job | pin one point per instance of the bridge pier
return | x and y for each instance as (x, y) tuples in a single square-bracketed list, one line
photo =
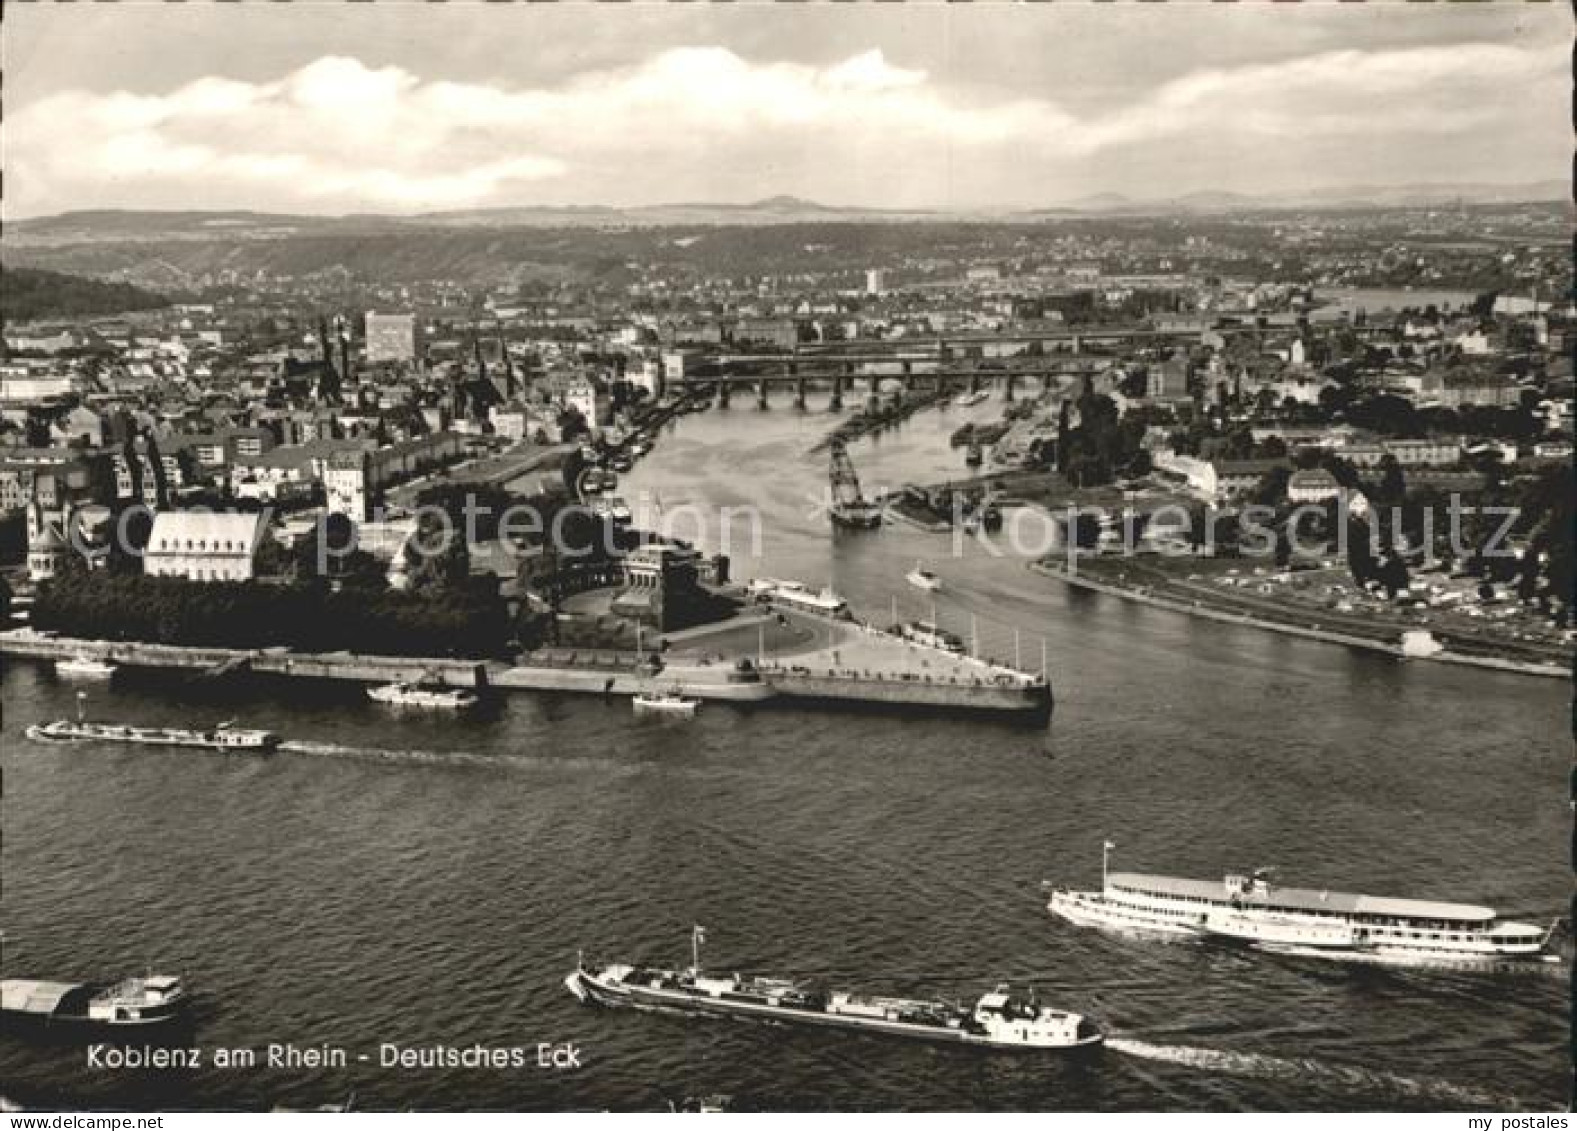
[(1007, 390), (722, 394), (799, 392), (761, 393), (974, 382)]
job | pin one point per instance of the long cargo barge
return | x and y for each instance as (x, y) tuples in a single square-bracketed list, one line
[(134, 1003), (1000, 1019), (224, 737)]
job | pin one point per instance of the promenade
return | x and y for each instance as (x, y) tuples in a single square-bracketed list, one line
[(850, 663)]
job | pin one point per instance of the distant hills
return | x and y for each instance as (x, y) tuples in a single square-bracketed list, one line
[(175, 252), (1345, 196), (117, 225), (95, 226)]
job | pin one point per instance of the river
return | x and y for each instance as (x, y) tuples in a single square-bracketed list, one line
[(417, 881)]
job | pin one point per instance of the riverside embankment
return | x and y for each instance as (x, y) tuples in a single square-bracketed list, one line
[(589, 672), (1374, 643)]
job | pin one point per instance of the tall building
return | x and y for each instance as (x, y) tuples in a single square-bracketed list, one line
[(391, 337), (143, 474), (346, 487), (875, 281)]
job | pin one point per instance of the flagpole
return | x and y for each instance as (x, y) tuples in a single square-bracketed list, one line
[(1106, 852)]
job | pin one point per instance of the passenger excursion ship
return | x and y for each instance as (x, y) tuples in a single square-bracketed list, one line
[(999, 1019), (1252, 911)]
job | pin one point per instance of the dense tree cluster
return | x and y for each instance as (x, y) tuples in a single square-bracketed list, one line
[(311, 617), (27, 293), (1103, 445)]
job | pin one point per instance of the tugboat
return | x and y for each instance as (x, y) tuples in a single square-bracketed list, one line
[(226, 736), (430, 695), (157, 999), (974, 457), (999, 1019)]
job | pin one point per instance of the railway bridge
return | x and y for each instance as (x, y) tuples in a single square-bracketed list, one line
[(967, 362)]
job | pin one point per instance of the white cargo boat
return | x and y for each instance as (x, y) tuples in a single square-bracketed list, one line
[(429, 696), (666, 703), (85, 667), (794, 595)]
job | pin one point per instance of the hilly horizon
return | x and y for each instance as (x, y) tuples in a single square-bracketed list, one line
[(102, 223)]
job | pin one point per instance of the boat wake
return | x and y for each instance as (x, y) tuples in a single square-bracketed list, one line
[(1349, 1076), (403, 757)]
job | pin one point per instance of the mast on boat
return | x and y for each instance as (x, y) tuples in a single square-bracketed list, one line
[(697, 937)]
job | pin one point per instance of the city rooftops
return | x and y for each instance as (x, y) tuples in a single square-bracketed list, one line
[(289, 457), (1247, 466), (1303, 899), (229, 532)]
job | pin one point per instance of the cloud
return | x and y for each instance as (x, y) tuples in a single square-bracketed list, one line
[(338, 134)]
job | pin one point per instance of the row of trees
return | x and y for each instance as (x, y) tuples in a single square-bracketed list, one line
[(253, 614)]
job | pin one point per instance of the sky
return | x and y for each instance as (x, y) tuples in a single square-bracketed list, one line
[(324, 107)]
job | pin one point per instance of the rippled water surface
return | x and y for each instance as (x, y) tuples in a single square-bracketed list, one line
[(420, 881)]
